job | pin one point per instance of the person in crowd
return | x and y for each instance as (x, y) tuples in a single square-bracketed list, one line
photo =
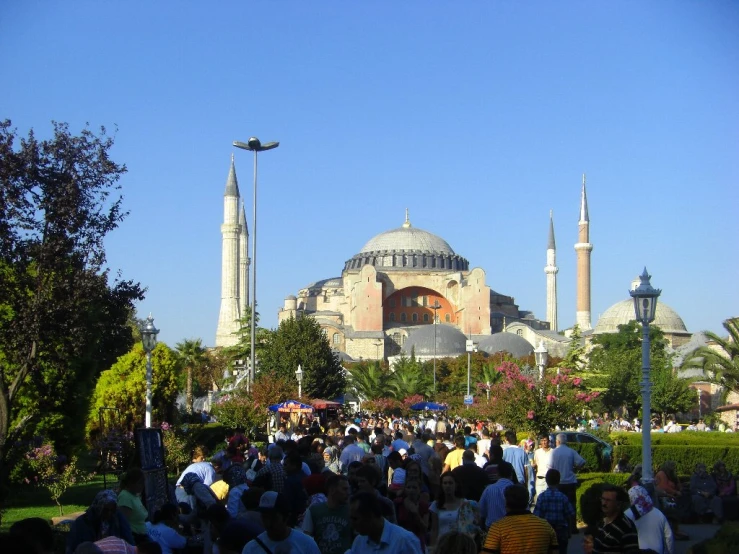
[(412, 511), (726, 487), (351, 452), (615, 533), (455, 542), (36, 532), (130, 505), (331, 459), (492, 501), (351, 475), (454, 458), (472, 477), (423, 451), (250, 500), (374, 532), (542, 463), (294, 491), (198, 466), (520, 530), (102, 519), (278, 536), (452, 512), (235, 478), (516, 456), (413, 471), (654, 531), (282, 433), (164, 529), (367, 481), (493, 466), (115, 545), (440, 447), (272, 475), (565, 460), (328, 522), (553, 506), (704, 493), (672, 502)]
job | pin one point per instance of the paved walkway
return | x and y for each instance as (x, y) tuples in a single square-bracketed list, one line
[(697, 533)]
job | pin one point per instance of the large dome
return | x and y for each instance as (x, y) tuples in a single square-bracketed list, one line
[(517, 346), (621, 313), (448, 339), (407, 248)]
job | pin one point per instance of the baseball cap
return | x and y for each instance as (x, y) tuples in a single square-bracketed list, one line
[(402, 452), (272, 500)]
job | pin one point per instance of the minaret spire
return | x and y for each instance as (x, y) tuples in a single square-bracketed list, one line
[(583, 248), (407, 223), (229, 314), (244, 261), (551, 271)]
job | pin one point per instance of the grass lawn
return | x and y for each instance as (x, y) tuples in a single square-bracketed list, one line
[(28, 501)]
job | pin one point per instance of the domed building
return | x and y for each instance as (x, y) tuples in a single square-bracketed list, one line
[(398, 282), (667, 319)]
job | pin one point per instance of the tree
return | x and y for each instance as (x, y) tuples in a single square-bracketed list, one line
[(301, 341), (670, 393), (576, 356), (61, 321), (368, 381), (720, 363), (191, 355), (123, 387)]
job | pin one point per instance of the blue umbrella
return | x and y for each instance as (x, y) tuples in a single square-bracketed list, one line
[(291, 406), (429, 406)]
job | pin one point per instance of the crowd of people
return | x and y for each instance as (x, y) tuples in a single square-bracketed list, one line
[(412, 486)]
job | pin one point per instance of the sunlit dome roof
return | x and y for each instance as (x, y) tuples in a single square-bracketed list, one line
[(505, 342), (621, 313), (407, 239), (449, 341)]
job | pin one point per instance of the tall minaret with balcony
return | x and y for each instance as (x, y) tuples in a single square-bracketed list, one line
[(551, 270), (583, 249), (229, 315), (244, 262)]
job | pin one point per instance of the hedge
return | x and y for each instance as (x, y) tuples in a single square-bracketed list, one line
[(685, 457), (587, 480), (686, 438)]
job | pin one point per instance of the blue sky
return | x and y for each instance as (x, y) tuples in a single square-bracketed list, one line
[(479, 117)]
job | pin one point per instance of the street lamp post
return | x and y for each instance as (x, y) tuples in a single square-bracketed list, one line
[(700, 396), (255, 145), (299, 377), (487, 384), (149, 339), (645, 307), (470, 347), (541, 355), (435, 307)]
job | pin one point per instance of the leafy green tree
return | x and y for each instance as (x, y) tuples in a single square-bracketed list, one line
[(301, 341), (241, 351), (191, 355), (616, 366), (408, 379), (670, 393), (368, 381), (123, 387), (61, 319), (719, 361), (576, 357)]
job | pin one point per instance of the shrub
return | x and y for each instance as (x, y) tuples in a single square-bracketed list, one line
[(685, 458)]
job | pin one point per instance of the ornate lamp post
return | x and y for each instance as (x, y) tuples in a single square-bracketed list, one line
[(299, 377), (149, 339), (435, 307), (470, 347), (645, 307), (255, 145), (700, 397), (541, 355)]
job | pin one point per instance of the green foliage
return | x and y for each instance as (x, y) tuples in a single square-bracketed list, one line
[(237, 409), (409, 377), (123, 386), (616, 364), (685, 438), (670, 393), (685, 458), (720, 363), (576, 356), (61, 320), (368, 381), (191, 356), (301, 341), (177, 448), (592, 453)]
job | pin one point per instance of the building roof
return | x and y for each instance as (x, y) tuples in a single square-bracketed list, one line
[(505, 342), (448, 339), (622, 312), (407, 238)]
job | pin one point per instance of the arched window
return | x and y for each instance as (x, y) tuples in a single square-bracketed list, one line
[(403, 317), (414, 318), (425, 318), (337, 338), (447, 318), (519, 332), (392, 316)]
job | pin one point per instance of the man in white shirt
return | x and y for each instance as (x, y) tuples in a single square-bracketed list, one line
[(542, 463), (352, 452), (566, 461)]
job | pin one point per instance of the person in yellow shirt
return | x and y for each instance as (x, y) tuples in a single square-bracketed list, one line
[(454, 458)]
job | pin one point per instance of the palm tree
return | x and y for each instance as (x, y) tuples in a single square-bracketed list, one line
[(191, 354), (720, 365), (368, 382)]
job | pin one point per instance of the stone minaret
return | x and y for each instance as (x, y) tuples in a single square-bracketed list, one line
[(244, 263), (583, 249), (228, 318), (551, 271)]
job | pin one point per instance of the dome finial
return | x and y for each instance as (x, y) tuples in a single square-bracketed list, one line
[(407, 220)]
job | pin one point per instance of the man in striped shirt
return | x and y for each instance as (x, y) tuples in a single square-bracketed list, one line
[(616, 533), (520, 531)]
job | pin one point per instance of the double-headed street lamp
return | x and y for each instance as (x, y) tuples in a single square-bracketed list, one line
[(299, 377), (541, 355), (645, 307), (435, 307), (254, 145), (149, 339)]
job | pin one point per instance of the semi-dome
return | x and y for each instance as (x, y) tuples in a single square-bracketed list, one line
[(505, 342), (408, 248), (621, 313), (449, 341)]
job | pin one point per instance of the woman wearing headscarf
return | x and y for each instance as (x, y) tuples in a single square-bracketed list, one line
[(652, 527), (331, 460), (235, 478), (102, 519), (726, 490)]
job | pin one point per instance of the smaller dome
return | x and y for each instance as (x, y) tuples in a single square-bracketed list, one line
[(449, 341), (291, 297), (622, 312), (505, 342)]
